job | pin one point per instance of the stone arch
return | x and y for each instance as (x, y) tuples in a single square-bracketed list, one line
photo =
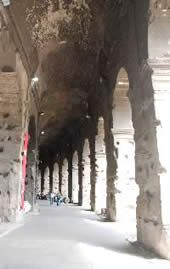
[(101, 169), (64, 183), (30, 183), (75, 178), (86, 180), (56, 178), (124, 150)]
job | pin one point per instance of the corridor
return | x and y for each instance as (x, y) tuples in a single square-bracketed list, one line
[(69, 237)]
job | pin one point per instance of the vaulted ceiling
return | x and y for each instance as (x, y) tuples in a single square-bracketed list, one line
[(63, 41)]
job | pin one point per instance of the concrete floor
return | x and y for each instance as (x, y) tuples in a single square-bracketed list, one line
[(68, 237)]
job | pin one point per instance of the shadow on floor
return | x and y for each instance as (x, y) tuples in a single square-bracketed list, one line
[(68, 223)]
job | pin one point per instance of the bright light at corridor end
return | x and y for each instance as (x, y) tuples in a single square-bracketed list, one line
[(42, 132), (6, 3), (35, 79)]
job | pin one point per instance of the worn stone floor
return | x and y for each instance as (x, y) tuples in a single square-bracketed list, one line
[(69, 237)]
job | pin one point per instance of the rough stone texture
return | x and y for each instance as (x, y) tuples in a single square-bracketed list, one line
[(86, 175), (101, 168), (38, 185), (64, 184), (75, 179), (56, 178), (30, 183), (92, 171), (10, 106), (80, 52), (46, 189), (161, 102)]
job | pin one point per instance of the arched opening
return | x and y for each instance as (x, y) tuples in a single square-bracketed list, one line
[(158, 38), (7, 69), (46, 189), (30, 182), (75, 178), (64, 183), (56, 178), (86, 181), (124, 149), (101, 169)]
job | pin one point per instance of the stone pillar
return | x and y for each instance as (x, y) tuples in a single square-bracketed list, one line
[(10, 146), (93, 171), (30, 181), (42, 170), (38, 185), (86, 175), (80, 175), (46, 181), (64, 184), (31, 164), (111, 160), (75, 178), (150, 110), (124, 148), (161, 84), (51, 176), (56, 178), (101, 169)]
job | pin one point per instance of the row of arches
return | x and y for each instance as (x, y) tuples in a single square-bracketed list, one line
[(136, 152), (91, 189)]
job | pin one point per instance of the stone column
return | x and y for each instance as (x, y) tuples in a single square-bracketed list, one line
[(151, 126), (80, 175), (161, 84), (56, 178), (64, 184), (42, 170), (75, 178), (38, 185), (93, 171), (86, 175), (11, 138), (150, 118), (46, 181), (30, 181), (101, 169), (111, 160)]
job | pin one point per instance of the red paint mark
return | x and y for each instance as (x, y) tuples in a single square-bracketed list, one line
[(24, 162)]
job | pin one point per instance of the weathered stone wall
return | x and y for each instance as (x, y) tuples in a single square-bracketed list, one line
[(10, 145)]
